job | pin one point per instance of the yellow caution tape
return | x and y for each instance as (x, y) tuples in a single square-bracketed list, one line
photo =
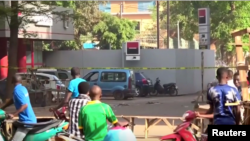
[(132, 68)]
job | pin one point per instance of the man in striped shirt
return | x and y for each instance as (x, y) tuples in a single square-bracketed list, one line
[(75, 105)]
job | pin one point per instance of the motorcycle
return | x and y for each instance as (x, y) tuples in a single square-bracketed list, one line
[(41, 131), (61, 114), (170, 88), (184, 132)]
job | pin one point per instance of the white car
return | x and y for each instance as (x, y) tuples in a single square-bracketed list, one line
[(44, 81)]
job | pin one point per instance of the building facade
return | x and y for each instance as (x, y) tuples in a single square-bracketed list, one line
[(30, 48), (139, 11)]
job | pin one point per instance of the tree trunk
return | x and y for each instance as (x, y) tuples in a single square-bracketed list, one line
[(12, 51)]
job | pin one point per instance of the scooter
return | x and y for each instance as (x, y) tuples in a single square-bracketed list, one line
[(41, 131), (184, 132), (61, 114), (169, 88)]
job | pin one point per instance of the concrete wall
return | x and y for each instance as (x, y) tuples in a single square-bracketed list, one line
[(188, 81), (55, 32)]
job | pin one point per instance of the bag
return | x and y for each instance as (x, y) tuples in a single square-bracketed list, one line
[(120, 134)]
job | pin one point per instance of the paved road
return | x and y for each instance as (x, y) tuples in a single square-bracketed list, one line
[(148, 106), (153, 106)]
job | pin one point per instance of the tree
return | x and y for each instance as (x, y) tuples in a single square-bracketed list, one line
[(113, 31), (226, 16), (17, 25), (86, 16)]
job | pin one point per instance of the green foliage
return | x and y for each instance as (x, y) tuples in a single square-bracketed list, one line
[(113, 31), (18, 25), (245, 39), (226, 16), (68, 4), (86, 16)]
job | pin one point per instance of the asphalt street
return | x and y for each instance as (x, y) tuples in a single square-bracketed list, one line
[(173, 106), (153, 106)]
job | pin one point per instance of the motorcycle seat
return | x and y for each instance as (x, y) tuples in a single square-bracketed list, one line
[(38, 127), (168, 84)]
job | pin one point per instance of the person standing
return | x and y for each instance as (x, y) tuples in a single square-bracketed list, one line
[(230, 81), (23, 108), (72, 88), (237, 84), (236, 80), (217, 97), (75, 105)]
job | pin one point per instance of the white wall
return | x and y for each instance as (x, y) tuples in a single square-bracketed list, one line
[(188, 81)]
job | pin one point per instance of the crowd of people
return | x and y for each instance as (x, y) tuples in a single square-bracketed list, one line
[(89, 116), (227, 90)]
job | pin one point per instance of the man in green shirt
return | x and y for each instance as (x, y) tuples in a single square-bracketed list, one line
[(93, 117)]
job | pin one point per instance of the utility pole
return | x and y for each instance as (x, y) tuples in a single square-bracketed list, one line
[(158, 26), (168, 23), (121, 10), (178, 34)]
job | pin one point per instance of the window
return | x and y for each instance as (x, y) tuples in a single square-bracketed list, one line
[(92, 76), (42, 77), (113, 77), (62, 75), (137, 27)]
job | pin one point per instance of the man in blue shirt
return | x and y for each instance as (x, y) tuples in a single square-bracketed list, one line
[(217, 97), (23, 106), (72, 88)]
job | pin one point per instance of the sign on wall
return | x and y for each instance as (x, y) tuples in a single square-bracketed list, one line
[(204, 28), (133, 48)]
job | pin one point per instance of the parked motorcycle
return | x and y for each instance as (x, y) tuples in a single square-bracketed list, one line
[(41, 131), (184, 132), (170, 88)]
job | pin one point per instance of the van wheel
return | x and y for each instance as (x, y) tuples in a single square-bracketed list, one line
[(119, 95)]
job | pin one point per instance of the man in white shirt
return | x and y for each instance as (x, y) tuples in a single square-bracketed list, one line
[(230, 81)]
